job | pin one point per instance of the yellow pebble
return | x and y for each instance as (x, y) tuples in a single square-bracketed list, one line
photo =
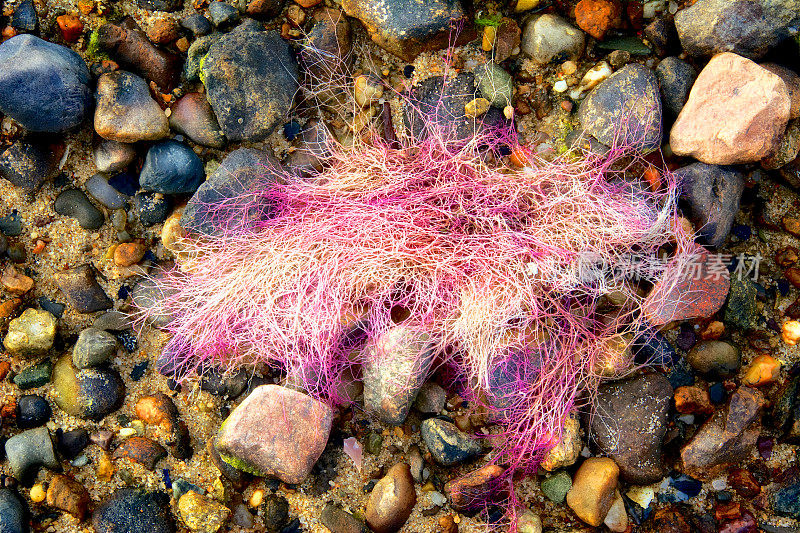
[(476, 107), (105, 468), (38, 493), (489, 38), (525, 5), (256, 498), (791, 332), (764, 369)]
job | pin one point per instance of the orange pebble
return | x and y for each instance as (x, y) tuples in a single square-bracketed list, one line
[(520, 157), (71, 27), (653, 177)]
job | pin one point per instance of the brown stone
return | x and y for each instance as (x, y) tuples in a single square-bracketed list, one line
[(694, 290), (793, 275), (792, 81), (391, 500), (596, 17), (693, 399), (744, 483), (81, 289), (160, 410), (5, 367), (8, 307), (792, 225), (142, 450), (593, 489), (276, 432), (786, 257), (670, 520), (339, 521), (507, 38), (307, 3), (131, 48), (726, 438), (264, 8), (163, 30), (70, 26), (68, 495), (129, 253), (763, 370), (15, 282), (472, 489), (737, 112)]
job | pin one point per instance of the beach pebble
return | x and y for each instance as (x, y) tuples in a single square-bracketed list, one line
[(129, 253), (250, 79), (330, 45), (148, 295), (27, 165), (275, 431), (113, 156), (192, 116), (401, 362), (430, 398), (391, 501), (638, 408), (159, 409), (81, 289), (715, 358), (13, 513), (75, 204), (68, 495), (628, 100), (34, 376), (222, 15), (171, 167), (675, 79), (737, 112), (31, 334), (555, 487), (548, 37), (566, 451), (200, 513), (406, 28), (103, 192), (43, 86), (693, 399), (275, 510), (142, 450), (125, 110), (466, 493), (713, 194), (593, 489), (746, 27), (617, 518), (151, 208), (596, 17), (786, 501), (130, 509), (197, 24), (727, 438), (93, 347), (195, 54), (339, 521), (741, 309), (32, 411), (15, 282), (90, 394), (71, 443), (495, 84), (24, 17), (447, 443), (529, 522), (29, 450)]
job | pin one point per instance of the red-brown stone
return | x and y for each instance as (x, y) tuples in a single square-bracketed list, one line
[(473, 488), (596, 17)]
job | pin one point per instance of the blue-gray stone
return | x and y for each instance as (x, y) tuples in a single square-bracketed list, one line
[(250, 79), (13, 515), (29, 450), (713, 193), (32, 411), (448, 444), (27, 165), (197, 24), (74, 203), (653, 348), (134, 511), (675, 78), (24, 17), (625, 108), (787, 501), (151, 208), (171, 167), (222, 14), (43, 86), (11, 224), (104, 193), (228, 190), (94, 346)]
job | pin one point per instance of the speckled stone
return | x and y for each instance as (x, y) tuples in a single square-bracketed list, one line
[(202, 514), (13, 514), (470, 490), (277, 432), (142, 450), (91, 393), (31, 334), (134, 510), (391, 501), (555, 487), (447, 443), (27, 165), (125, 111), (28, 450), (82, 290), (94, 346)]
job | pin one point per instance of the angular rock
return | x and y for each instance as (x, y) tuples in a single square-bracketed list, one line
[(626, 107), (148, 295), (549, 38), (741, 309), (90, 394), (399, 361), (736, 113), (430, 398), (222, 15), (250, 79), (329, 44), (716, 358), (142, 450), (277, 432), (713, 194), (675, 78), (129, 46), (171, 167), (81, 289), (43, 86), (391, 501), (75, 204), (786, 501), (697, 289), (728, 437), (596, 17), (407, 28), (264, 8), (24, 17), (159, 409), (593, 488), (200, 513), (68, 495), (447, 443), (241, 172), (130, 510), (29, 450), (125, 111), (192, 116), (31, 334), (568, 449), (746, 27), (470, 491), (792, 81), (628, 423), (27, 165)]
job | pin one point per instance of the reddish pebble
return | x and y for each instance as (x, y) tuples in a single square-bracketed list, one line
[(596, 17), (765, 445), (566, 105), (727, 511), (128, 253), (307, 3), (743, 482), (71, 27), (793, 275), (745, 524), (5, 366)]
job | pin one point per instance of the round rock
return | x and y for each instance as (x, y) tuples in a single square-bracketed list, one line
[(171, 167), (718, 358), (75, 204), (391, 501), (32, 411), (192, 116), (675, 78), (94, 346), (90, 393), (447, 443), (551, 38), (31, 334), (251, 79), (43, 86), (13, 515), (29, 450), (129, 510)]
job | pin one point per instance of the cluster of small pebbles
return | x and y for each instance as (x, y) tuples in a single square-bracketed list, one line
[(122, 123)]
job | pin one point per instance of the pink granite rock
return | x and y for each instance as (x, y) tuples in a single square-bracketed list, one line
[(736, 113), (275, 432)]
